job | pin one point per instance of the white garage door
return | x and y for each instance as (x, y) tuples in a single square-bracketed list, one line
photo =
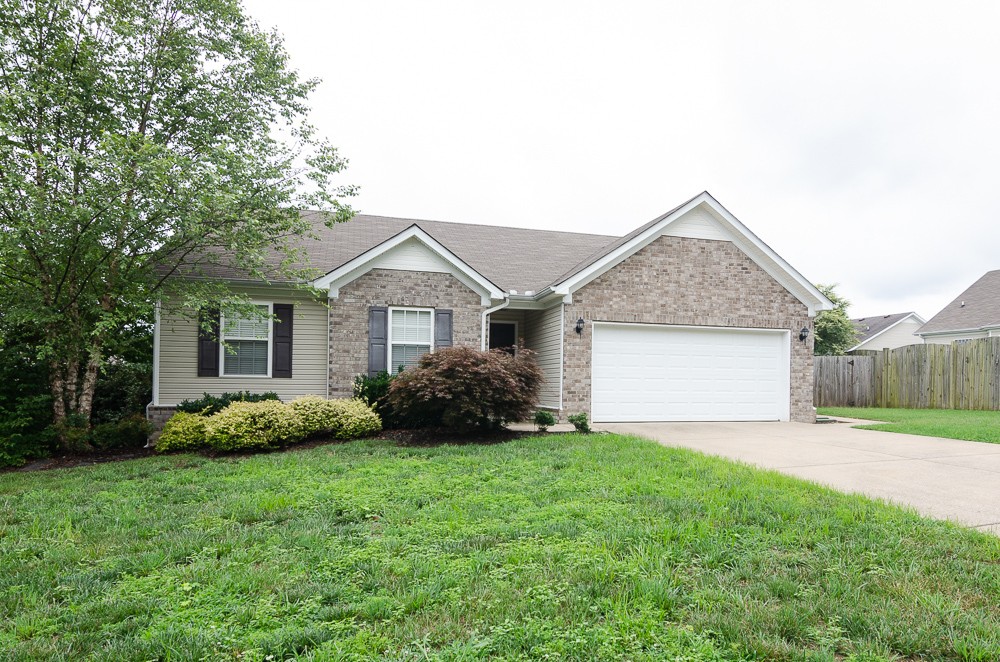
[(648, 372)]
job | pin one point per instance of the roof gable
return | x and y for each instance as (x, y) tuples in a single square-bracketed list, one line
[(977, 308), (414, 250), (870, 328), (700, 217)]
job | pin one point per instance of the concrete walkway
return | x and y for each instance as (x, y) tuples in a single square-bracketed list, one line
[(943, 478)]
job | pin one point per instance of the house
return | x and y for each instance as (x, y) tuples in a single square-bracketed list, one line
[(887, 331), (690, 317), (975, 313)]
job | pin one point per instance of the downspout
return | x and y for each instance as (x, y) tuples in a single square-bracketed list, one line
[(487, 313)]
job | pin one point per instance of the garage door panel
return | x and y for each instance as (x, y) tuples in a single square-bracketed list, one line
[(670, 373)]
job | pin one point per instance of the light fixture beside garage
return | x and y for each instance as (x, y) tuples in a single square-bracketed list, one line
[(804, 333), (579, 326)]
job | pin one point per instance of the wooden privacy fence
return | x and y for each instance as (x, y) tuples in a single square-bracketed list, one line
[(956, 376)]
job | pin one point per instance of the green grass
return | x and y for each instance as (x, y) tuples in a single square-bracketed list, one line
[(949, 423), (559, 547)]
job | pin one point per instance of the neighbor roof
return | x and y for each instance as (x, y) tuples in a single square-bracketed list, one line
[(976, 308), (869, 327)]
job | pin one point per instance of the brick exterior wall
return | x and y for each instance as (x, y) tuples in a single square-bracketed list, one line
[(158, 416), (698, 282), (385, 287)]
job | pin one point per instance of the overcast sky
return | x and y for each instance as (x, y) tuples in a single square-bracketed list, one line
[(859, 140)]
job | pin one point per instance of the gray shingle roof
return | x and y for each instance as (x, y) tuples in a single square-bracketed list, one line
[(871, 326), (976, 307), (512, 258)]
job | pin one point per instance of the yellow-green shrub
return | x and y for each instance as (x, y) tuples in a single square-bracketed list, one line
[(183, 432), (254, 426), (342, 419)]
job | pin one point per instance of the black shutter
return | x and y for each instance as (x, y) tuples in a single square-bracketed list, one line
[(442, 328), (378, 338), (208, 343), (281, 335)]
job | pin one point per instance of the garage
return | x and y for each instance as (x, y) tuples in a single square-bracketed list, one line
[(652, 372)]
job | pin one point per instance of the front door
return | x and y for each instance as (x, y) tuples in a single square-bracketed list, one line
[(503, 335)]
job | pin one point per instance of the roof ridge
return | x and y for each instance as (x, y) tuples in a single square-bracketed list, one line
[(478, 225)]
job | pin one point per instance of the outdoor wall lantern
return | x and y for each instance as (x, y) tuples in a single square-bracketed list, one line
[(804, 333), (579, 326)]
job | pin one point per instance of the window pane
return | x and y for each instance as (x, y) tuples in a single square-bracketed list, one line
[(407, 355), (411, 326), (246, 357), (238, 327)]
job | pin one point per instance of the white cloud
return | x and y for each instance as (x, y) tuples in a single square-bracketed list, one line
[(858, 139)]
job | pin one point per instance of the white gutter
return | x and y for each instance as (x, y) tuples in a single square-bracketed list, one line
[(487, 313)]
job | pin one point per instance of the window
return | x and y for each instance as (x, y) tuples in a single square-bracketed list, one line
[(247, 349), (410, 334)]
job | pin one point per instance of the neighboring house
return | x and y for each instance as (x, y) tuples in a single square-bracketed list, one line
[(690, 317), (975, 313), (888, 331)]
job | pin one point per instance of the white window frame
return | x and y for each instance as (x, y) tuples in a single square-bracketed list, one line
[(270, 342), (390, 342), (517, 330)]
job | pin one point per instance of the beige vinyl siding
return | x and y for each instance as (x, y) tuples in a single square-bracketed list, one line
[(952, 337), (178, 356), (543, 334), (899, 335)]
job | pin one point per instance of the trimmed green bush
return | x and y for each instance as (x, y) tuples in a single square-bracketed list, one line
[(579, 421), (209, 404), (183, 432), (543, 419), (374, 392), (254, 426), (130, 432), (341, 419)]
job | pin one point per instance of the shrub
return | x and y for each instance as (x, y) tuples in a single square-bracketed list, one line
[(374, 392), (464, 388), (130, 432), (123, 389), (579, 421), (254, 426), (342, 419), (183, 432), (543, 419), (25, 433), (209, 404)]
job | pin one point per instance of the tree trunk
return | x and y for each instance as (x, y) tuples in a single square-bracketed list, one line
[(86, 403), (57, 385)]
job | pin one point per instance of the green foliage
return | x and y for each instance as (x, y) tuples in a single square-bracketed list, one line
[(129, 432), (464, 388), (183, 432), (123, 389), (374, 391), (244, 426), (565, 547), (209, 404), (835, 332), (142, 141), (544, 419), (341, 419), (579, 422)]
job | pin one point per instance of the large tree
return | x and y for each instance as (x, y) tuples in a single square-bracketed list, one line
[(835, 332), (139, 140)]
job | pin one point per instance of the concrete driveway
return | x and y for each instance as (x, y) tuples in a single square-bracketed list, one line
[(943, 478)]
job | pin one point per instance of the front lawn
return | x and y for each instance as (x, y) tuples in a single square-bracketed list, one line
[(950, 423), (558, 547)]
